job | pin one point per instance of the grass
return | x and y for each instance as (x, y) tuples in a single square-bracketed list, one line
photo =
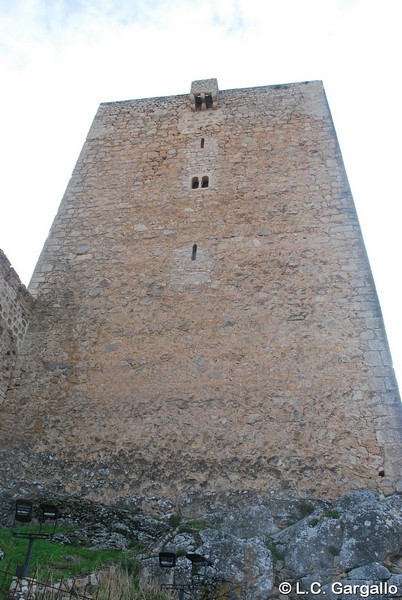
[(120, 584), (52, 562), (332, 514), (55, 561), (275, 552), (114, 584), (306, 508), (192, 526)]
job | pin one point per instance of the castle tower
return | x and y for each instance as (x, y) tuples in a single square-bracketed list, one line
[(205, 315)]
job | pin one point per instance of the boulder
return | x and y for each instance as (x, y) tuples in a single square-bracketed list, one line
[(245, 564), (358, 530)]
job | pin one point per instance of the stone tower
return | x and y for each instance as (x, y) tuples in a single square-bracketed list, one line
[(205, 315)]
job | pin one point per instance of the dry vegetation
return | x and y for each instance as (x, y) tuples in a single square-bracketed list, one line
[(120, 584)]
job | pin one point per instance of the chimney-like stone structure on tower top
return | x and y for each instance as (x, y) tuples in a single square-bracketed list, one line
[(205, 318), (204, 94)]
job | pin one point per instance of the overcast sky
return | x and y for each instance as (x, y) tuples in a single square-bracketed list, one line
[(60, 58)]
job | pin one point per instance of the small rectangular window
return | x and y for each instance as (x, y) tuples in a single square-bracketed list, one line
[(208, 100)]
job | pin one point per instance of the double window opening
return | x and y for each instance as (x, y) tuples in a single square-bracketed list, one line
[(203, 101), (198, 182)]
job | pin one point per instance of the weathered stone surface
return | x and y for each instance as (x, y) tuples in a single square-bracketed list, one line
[(354, 535), (245, 564), (372, 571), (354, 541), (244, 523), (281, 509), (242, 567), (260, 363), (16, 305), (98, 537)]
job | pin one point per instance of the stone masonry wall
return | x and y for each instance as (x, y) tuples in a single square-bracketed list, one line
[(255, 360), (15, 310)]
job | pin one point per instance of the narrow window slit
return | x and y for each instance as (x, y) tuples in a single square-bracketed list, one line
[(194, 252), (202, 142)]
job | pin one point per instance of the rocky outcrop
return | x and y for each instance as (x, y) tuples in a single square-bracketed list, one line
[(279, 547)]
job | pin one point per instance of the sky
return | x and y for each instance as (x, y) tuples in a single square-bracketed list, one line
[(59, 59)]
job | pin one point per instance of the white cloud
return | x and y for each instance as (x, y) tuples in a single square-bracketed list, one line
[(60, 58)]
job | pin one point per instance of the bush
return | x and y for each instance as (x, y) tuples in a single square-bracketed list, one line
[(332, 514), (174, 520), (306, 508)]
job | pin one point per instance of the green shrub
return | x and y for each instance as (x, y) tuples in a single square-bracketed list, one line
[(275, 552), (175, 520), (332, 514), (334, 550), (306, 508)]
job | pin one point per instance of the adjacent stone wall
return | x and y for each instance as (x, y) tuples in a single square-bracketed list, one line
[(260, 363), (15, 310)]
